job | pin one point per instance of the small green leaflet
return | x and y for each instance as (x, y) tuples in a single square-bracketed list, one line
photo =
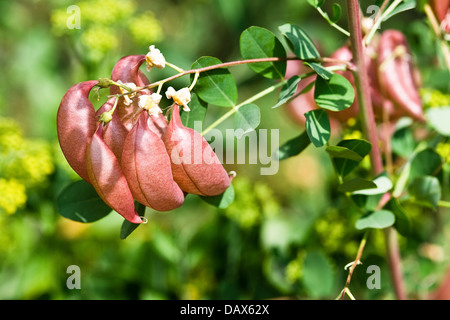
[(336, 13), (256, 43), (80, 202), (376, 220), (287, 91), (300, 42), (292, 147), (217, 86), (318, 127), (247, 119), (335, 94), (221, 201), (356, 185), (348, 154)]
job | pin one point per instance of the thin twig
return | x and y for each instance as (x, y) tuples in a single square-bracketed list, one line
[(362, 244)]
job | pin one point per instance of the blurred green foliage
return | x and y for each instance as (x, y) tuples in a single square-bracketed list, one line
[(289, 234)]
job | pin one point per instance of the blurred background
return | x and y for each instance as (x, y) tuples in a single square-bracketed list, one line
[(287, 235)]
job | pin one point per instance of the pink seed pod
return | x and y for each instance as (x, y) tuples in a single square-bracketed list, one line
[(195, 166), (440, 8), (127, 71), (76, 123), (114, 132), (147, 168), (397, 74), (108, 179)]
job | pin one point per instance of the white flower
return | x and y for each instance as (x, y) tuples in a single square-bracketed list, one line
[(128, 97), (150, 103), (155, 59), (181, 97)]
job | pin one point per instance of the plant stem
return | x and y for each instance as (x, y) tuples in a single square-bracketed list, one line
[(368, 121), (236, 108), (362, 244)]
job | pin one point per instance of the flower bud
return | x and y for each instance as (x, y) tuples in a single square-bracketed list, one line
[(76, 123), (108, 179), (147, 168), (195, 166)]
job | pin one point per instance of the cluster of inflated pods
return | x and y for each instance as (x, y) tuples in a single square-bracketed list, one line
[(394, 81), (127, 150)]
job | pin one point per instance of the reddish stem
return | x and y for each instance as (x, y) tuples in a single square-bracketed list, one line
[(368, 120)]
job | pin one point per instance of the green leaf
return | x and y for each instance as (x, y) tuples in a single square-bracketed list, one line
[(406, 5), (292, 147), (256, 43), (439, 119), (425, 163), (80, 202), (246, 119), (221, 201), (198, 111), (368, 199), (403, 143), (301, 44), (376, 220), (287, 91), (402, 223), (356, 185), (127, 226), (216, 86), (319, 69), (337, 11), (348, 154), (426, 191), (318, 127), (382, 185), (318, 275), (343, 153), (335, 94)]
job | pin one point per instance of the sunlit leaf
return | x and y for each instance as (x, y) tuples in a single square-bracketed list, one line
[(376, 220), (246, 119), (439, 119), (335, 94), (319, 69), (382, 185), (318, 127), (356, 185), (216, 86), (301, 44), (80, 202), (256, 43), (287, 91)]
